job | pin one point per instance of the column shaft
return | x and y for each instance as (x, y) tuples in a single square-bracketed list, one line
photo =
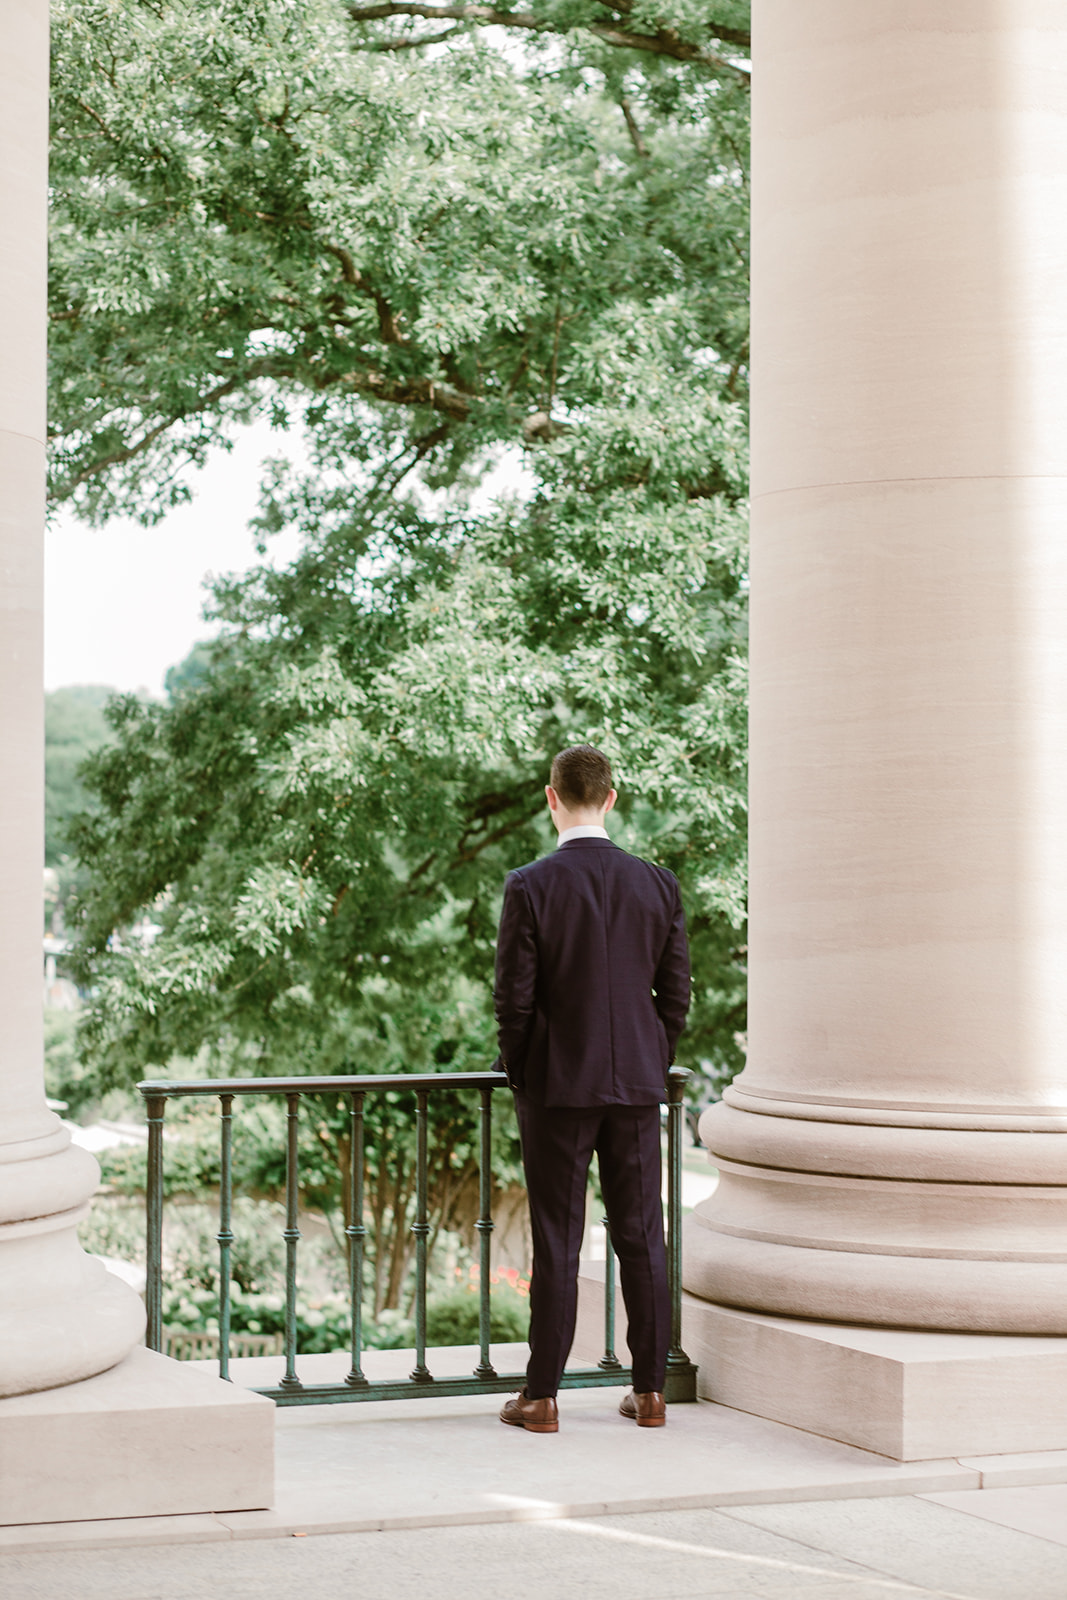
[(62, 1317), (894, 1151)]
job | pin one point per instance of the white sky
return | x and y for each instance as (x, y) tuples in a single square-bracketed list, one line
[(123, 603)]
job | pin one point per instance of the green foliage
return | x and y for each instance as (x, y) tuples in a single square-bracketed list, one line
[(74, 726), (325, 1323), (191, 1150), (433, 261), (191, 1283), (114, 1228), (257, 1255), (65, 1077), (190, 1168), (453, 1317), (257, 201), (321, 1325), (189, 675)]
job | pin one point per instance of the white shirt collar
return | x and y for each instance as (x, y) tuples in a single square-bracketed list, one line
[(585, 830)]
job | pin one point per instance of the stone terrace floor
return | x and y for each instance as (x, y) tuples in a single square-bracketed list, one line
[(437, 1499)]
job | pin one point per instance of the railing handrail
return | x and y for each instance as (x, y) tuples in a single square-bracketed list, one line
[(681, 1374), (385, 1080)]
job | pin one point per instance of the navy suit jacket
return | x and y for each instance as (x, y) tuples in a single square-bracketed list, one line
[(592, 977)]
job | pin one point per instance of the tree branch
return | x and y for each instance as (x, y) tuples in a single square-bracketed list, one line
[(738, 36), (469, 850), (554, 370), (408, 459), (388, 327), (410, 392), (98, 119), (349, 271), (118, 458), (413, 42), (664, 43), (667, 43), (634, 131), (451, 400), (404, 392)]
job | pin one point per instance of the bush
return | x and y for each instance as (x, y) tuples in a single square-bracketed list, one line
[(191, 1153), (453, 1318), (325, 1324), (257, 1255), (65, 1077), (114, 1228), (321, 1325)]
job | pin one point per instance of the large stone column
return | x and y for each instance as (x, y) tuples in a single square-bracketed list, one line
[(894, 1152), (62, 1316), (90, 1425)]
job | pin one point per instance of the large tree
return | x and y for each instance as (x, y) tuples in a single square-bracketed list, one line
[(522, 231)]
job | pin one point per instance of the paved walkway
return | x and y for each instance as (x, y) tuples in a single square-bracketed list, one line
[(437, 1499), (1008, 1544)]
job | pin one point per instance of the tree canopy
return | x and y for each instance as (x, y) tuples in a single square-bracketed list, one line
[(433, 249)]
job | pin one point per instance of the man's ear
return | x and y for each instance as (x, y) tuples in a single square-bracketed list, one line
[(612, 797), (551, 796)]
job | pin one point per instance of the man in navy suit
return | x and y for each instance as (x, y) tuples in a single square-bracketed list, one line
[(592, 990)]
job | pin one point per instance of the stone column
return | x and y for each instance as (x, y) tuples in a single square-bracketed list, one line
[(62, 1316), (894, 1152)]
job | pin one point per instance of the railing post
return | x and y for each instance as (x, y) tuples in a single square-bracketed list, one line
[(609, 1361), (225, 1233), (357, 1233), (421, 1229), (155, 1107), (484, 1226), (291, 1236), (681, 1381)]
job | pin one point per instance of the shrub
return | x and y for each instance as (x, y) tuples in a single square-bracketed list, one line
[(453, 1318), (321, 1325)]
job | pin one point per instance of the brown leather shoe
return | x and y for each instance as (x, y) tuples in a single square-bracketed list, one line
[(536, 1416), (647, 1410)]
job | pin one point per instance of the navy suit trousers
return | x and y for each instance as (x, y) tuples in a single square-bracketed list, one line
[(557, 1146)]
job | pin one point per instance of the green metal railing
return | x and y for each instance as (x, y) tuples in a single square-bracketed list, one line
[(290, 1389)]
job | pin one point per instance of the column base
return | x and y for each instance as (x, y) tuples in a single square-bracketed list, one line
[(149, 1438), (63, 1316), (913, 1396), (949, 1229)]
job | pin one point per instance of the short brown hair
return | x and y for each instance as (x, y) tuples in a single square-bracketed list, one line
[(581, 776)]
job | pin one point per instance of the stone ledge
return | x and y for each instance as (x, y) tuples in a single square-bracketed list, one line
[(149, 1438), (906, 1395), (1019, 1471)]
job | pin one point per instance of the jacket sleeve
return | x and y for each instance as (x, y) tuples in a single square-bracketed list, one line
[(516, 978), (671, 986)]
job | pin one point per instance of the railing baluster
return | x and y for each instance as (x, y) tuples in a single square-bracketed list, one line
[(225, 1233), (357, 1233), (291, 1236), (681, 1373), (484, 1226), (421, 1229), (609, 1361), (155, 1106)]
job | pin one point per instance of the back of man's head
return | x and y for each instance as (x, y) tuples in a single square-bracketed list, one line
[(581, 776)]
